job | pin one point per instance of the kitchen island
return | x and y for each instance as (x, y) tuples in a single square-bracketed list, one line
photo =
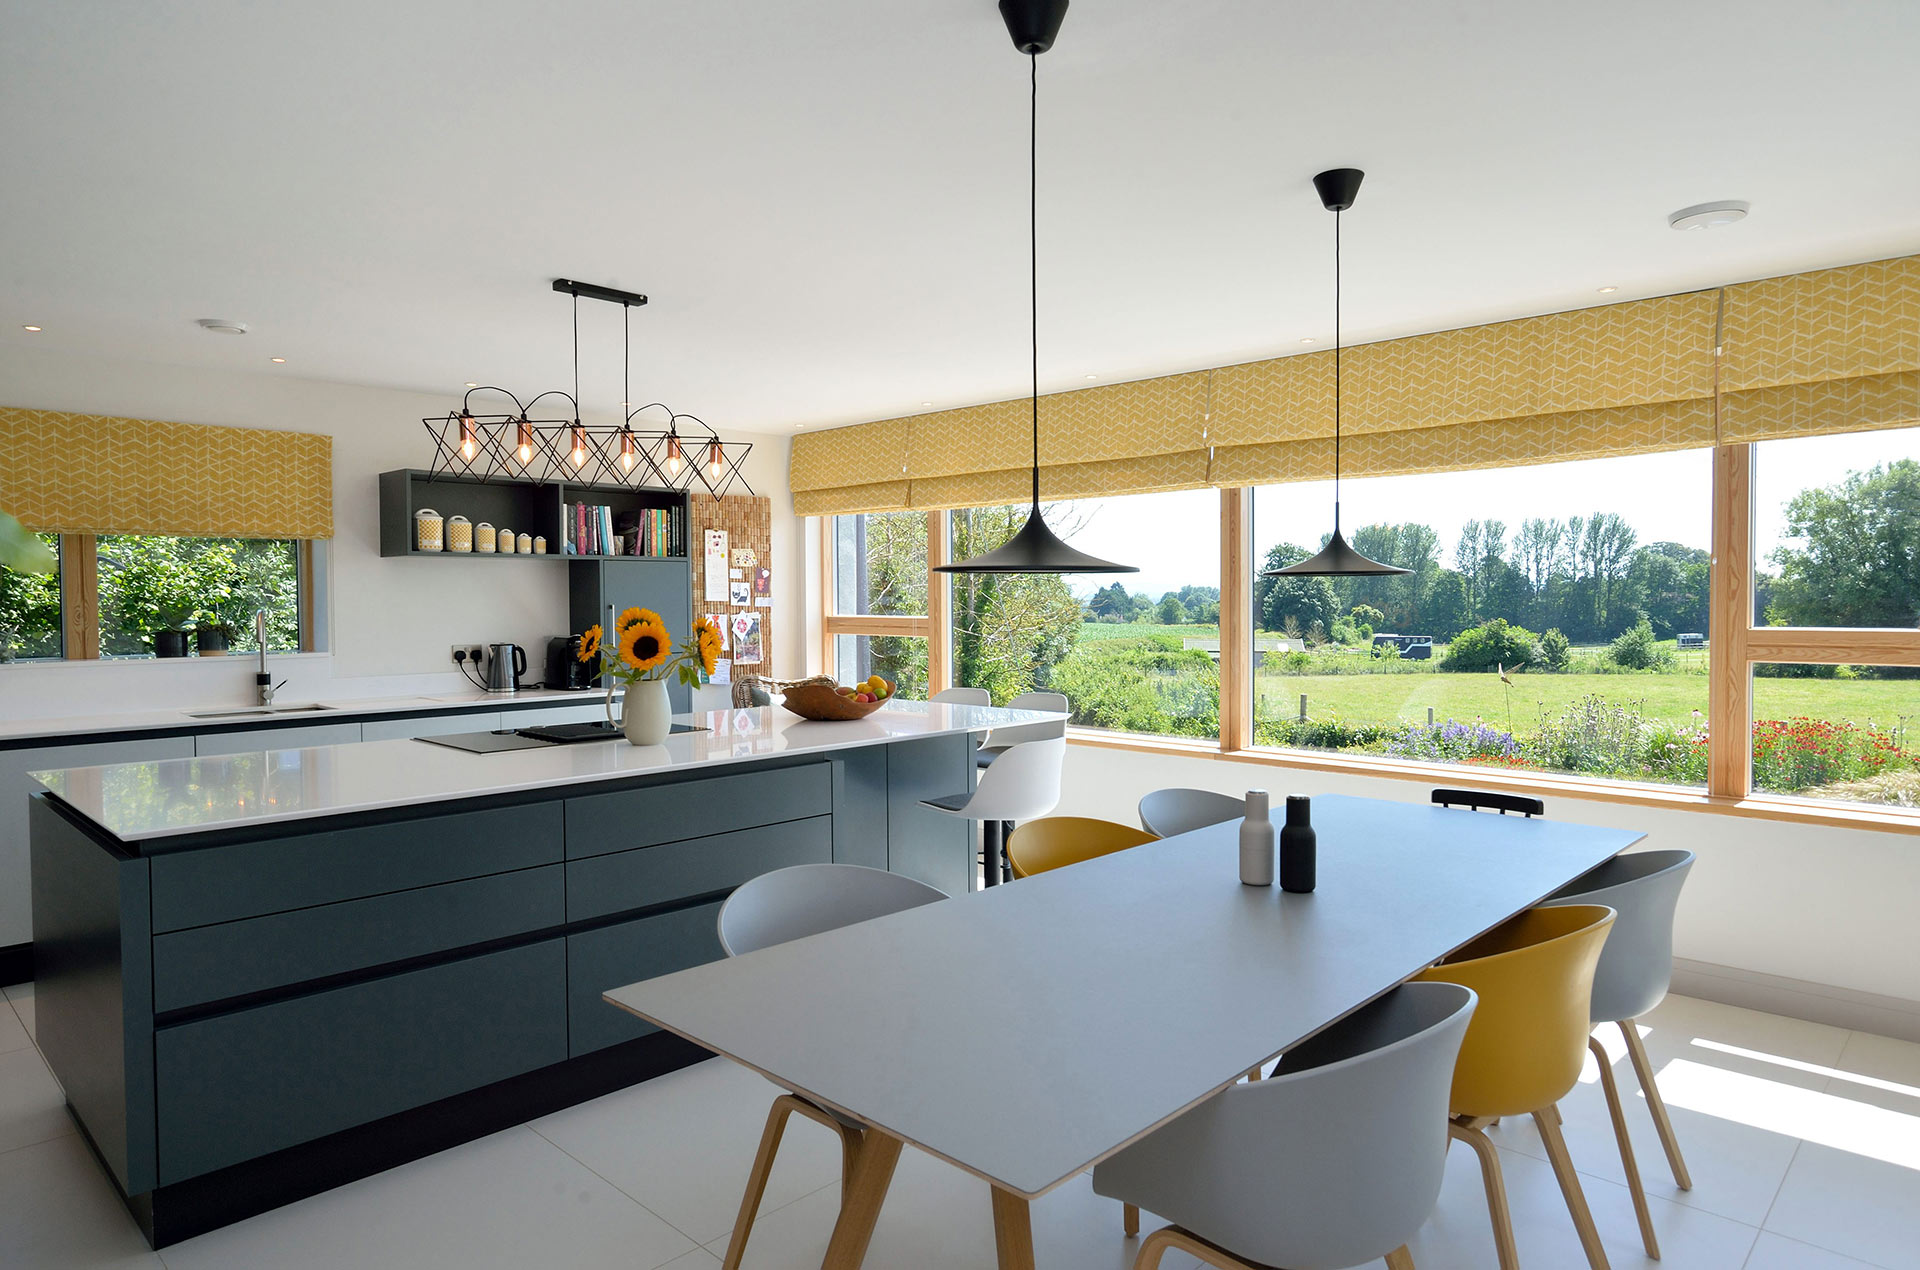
[(262, 975)]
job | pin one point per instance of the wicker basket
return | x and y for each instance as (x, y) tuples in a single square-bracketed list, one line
[(816, 700)]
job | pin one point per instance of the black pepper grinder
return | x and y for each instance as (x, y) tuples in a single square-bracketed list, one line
[(1297, 845)]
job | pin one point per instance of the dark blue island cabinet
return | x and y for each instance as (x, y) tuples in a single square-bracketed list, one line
[(246, 1016)]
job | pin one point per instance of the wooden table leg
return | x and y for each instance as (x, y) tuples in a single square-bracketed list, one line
[(860, 1203), (1012, 1230)]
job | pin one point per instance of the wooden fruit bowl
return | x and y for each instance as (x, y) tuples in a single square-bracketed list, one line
[(821, 701)]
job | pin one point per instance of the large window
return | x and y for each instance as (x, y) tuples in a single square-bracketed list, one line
[(150, 584), (30, 612), (1133, 652), (1555, 619), (118, 595), (876, 619), (1837, 530)]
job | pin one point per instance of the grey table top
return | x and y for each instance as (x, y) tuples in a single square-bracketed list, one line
[(1026, 1032)]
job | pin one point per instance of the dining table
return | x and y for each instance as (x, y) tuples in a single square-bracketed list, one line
[(1024, 1033)]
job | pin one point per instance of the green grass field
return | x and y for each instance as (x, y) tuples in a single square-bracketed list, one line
[(1362, 698)]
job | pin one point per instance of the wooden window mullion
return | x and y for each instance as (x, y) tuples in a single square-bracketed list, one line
[(79, 597), (1730, 625)]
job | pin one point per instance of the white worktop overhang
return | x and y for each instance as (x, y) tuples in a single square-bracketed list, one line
[(137, 802)]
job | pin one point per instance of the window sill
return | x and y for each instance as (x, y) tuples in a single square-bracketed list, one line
[(1778, 807)]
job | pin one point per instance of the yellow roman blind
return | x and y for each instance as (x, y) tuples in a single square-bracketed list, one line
[(97, 474), (1835, 350)]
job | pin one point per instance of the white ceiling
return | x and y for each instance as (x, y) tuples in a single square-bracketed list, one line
[(827, 200)]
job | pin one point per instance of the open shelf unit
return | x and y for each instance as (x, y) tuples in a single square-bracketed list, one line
[(530, 507)]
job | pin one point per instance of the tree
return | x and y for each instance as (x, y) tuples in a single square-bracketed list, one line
[(1604, 549), (1009, 630), (1409, 546), (1111, 603), (1491, 644), (1308, 602), (29, 609), (1479, 542), (1672, 583), (1635, 649), (1170, 611), (1447, 611), (1857, 560)]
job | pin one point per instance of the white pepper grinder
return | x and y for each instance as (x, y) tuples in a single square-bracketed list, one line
[(1256, 842)]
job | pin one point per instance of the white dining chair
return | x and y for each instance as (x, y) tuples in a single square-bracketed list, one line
[(1022, 783), (1000, 739), (1335, 1161), (792, 903), (1635, 971), (1167, 812), (963, 697)]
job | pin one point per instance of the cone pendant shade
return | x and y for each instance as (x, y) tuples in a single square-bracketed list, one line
[(1337, 187), (1033, 24)]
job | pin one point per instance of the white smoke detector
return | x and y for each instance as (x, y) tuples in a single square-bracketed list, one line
[(223, 326), (1709, 215)]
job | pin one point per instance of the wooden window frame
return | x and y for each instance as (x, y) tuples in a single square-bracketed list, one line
[(933, 627), (80, 597), (1735, 646)]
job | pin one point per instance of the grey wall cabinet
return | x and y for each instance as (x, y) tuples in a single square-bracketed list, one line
[(598, 591)]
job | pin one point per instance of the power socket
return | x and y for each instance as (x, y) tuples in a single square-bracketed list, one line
[(462, 654)]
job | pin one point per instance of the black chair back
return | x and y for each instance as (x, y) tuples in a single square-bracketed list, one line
[(1490, 800)]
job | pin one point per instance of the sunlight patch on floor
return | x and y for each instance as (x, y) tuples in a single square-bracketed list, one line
[(1860, 1128)]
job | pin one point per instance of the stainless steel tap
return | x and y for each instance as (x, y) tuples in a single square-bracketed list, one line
[(263, 682)]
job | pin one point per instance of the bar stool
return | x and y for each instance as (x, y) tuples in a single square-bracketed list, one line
[(789, 904), (999, 739), (962, 697), (1636, 968), (1022, 783), (1525, 1046), (1335, 1161), (1054, 842), (1167, 812)]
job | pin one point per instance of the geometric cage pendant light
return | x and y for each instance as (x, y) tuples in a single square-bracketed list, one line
[(1033, 24), (1337, 188)]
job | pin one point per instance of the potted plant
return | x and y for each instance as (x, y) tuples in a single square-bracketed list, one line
[(641, 656), (173, 615), (213, 634)]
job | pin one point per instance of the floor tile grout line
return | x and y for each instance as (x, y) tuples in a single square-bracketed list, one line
[(768, 1212), (635, 1199)]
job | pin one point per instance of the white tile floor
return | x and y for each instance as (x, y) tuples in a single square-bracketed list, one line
[(1804, 1142)]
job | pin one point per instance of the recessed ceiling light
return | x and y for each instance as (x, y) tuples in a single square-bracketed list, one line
[(926, 403), (279, 360), (1308, 340), (1608, 290), (1093, 376), (471, 384), (1708, 215), (29, 328), (223, 326)]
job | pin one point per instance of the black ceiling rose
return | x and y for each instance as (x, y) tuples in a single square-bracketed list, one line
[(1033, 24), (1337, 187)]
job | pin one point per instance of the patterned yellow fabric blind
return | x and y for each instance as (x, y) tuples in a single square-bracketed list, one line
[(1837, 350), (95, 474)]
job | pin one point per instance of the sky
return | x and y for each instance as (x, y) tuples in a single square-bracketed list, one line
[(1665, 497)]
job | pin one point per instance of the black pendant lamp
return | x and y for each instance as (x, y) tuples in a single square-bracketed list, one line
[(1337, 188), (1033, 25)]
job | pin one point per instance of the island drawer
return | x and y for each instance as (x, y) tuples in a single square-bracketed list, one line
[(607, 884), (614, 956), (222, 884), (211, 963), (237, 1086), (600, 823)]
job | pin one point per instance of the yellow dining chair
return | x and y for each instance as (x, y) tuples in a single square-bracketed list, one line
[(1054, 842), (1525, 1046)]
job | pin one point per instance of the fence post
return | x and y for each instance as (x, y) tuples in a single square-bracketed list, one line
[(1429, 718), (1303, 707)]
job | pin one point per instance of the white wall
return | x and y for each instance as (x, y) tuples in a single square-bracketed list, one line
[(1831, 906), (391, 621)]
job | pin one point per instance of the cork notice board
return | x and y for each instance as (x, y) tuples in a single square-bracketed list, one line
[(748, 521)]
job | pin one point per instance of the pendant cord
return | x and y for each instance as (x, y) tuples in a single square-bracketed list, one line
[(1336, 374), (1033, 231), (626, 363), (576, 357)]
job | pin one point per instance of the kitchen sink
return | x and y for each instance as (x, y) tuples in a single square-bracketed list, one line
[(243, 711)]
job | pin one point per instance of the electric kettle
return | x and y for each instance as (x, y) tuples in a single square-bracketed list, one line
[(506, 663)]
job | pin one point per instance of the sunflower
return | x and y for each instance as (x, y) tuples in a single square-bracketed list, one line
[(706, 638), (644, 645), (590, 644), (635, 616)]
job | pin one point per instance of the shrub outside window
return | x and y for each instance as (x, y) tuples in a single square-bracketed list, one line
[(151, 583), (30, 612)]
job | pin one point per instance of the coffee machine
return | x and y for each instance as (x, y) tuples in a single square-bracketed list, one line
[(564, 667)]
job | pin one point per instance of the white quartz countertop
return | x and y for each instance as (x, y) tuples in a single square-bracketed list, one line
[(169, 797), (289, 713)]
